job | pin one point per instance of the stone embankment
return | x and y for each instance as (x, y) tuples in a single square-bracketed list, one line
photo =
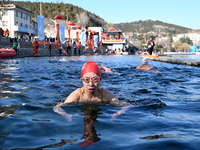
[(185, 61)]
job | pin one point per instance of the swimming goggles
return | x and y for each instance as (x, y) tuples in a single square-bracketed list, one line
[(94, 79)]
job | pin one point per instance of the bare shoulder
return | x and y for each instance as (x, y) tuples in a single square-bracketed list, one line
[(138, 67), (73, 97), (108, 96)]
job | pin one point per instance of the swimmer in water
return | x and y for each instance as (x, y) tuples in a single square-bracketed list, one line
[(90, 92), (144, 65)]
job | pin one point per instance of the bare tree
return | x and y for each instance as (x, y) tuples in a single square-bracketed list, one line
[(82, 19)]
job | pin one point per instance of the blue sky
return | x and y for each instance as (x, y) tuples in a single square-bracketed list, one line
[(185, 13)]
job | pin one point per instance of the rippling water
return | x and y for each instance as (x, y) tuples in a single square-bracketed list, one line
[(164, 111)]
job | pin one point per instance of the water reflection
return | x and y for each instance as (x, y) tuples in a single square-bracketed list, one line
[(90, 134), (161, 136), (8, 81), (7, 111)]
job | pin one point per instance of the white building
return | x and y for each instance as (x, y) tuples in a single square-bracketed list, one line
[(18, 21), (194, 37)]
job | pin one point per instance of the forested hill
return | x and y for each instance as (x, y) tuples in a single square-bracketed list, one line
[(85, 18), (73, 13), (152, 26)]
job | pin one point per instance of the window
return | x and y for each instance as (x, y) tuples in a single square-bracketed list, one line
[(21, 24), (16, 23), (26, 17), (21, 15), (5, 23), (5, 12), (26, 25), (16, 13)]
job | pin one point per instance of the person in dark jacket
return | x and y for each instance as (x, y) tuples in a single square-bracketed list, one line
[(150, 45)]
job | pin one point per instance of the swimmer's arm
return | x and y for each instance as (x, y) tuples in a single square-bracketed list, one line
[(73, 97), (125, 107), (106, 69), (114, 100)]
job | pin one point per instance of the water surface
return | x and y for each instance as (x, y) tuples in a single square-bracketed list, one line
[(164, 106)]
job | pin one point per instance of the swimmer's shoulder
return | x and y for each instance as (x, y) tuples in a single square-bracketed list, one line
[(74, 96), (108, 96)]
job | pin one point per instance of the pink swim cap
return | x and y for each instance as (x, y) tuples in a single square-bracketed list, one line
[(90, 66)]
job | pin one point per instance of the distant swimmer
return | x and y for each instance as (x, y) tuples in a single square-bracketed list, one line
[(90, 92), (144, 65)]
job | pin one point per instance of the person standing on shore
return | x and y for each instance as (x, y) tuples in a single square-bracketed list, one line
[(7, 32), (15, 45), (35, 46), (50, 48), (150, 45)]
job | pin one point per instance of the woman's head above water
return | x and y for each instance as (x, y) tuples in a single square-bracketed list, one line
[(90, 66), (91, 77), (90, 92)]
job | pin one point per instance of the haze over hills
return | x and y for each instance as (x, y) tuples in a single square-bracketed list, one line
[(86, 19)]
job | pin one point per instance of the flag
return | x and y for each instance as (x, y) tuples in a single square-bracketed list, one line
[(95, 41), (40, 20), (62, 34), (83, 38)]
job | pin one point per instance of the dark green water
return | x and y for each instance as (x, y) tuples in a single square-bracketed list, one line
[(164, 106)]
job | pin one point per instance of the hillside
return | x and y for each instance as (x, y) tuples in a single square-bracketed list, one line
[(152, 26), (85, 18), (68, 11)]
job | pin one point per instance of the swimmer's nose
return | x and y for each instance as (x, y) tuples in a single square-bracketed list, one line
[(91, 83)]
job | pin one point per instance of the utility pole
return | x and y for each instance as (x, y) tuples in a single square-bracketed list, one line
[(67, 15), (40, 9)]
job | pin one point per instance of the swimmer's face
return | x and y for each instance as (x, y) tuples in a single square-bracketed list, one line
[(91, 81)]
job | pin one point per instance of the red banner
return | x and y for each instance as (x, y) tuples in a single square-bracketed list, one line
[(58, 37), (69, 36)]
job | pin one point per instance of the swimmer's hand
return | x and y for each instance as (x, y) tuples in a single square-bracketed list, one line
[(107, 69), (114, 115), (68, 117), (60, 111), (120, 112)]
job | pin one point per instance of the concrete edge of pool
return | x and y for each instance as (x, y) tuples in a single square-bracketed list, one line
[(169, 59)]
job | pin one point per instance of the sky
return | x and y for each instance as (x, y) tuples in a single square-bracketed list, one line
[(184, 13)]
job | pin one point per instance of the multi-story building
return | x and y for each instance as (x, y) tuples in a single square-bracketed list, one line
[(18, 21), (194, 37)]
